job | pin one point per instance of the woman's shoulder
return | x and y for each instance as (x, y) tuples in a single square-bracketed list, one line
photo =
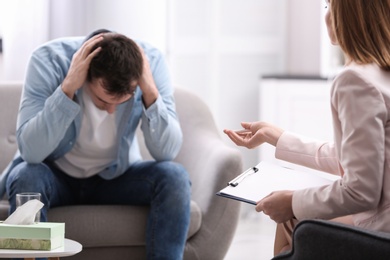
[(368, 75), (362, 80)]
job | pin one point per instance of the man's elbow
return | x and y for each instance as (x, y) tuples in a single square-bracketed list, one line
[(29, 154)]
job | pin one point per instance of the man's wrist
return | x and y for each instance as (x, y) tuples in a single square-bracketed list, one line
[(149, 96), (67, 89), (67, 92)]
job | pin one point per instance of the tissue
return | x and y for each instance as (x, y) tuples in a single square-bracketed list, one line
[(25, 214)]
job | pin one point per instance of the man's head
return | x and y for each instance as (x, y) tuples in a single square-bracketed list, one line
[(117, 66)]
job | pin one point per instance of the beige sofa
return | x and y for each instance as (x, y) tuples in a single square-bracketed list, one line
[(118, 232)]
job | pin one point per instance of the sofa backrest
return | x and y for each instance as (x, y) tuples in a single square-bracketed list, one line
[(9, 105)]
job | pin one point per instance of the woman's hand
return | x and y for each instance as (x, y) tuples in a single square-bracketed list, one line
[(277, 205), (257, 134)]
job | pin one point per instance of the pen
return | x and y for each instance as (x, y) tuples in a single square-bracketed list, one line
[(242, 176)]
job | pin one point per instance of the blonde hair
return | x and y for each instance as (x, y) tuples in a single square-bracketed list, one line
[(362, 28)]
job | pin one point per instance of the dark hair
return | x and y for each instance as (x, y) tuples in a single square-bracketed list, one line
[(118, 64)]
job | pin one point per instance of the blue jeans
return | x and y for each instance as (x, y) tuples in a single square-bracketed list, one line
[(164, 186)]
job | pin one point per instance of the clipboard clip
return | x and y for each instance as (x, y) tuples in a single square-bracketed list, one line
[(242, 176)]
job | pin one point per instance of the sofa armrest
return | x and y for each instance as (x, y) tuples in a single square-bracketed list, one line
[(321, 239), (219, 164), (211, 164), (9, 101)]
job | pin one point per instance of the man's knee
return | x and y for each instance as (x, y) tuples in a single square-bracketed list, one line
[(176, 181), (176, 174), (27, 177)]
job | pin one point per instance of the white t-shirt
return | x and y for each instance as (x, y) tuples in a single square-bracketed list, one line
[(96, 146)]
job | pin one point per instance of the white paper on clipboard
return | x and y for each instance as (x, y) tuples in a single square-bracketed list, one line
[(259, 181)]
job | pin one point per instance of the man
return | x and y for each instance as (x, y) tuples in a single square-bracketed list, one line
[(82, 102)]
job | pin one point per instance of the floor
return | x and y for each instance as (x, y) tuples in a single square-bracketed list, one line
[(254, 237)]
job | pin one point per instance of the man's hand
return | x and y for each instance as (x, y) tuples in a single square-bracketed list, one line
[(277, 205), (146, 82), (79, 66)]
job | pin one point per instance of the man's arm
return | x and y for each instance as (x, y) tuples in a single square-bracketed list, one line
[(147, 84), (160, 124), (46, 110)]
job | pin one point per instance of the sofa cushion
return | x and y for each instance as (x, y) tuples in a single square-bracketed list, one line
[(86, 223), (9, 100)]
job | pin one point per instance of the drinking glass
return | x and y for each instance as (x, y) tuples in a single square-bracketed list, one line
[(23, 197)]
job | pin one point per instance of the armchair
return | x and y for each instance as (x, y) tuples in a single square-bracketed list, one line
[(118, 232)]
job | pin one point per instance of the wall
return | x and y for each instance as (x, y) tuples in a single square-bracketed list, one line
[(144, 19), (220, 48), (24, 27), (305, 18)]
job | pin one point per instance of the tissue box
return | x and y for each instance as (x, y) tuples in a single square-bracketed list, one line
[(39, 236)]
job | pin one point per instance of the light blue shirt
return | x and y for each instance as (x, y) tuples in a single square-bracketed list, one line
[(49, 122)]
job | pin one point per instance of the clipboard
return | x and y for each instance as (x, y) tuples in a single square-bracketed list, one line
[(259, 181)]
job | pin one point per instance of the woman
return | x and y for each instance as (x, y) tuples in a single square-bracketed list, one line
[(360, 154)]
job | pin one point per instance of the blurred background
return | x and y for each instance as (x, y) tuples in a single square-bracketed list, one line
[(249, 60), (219, 49)]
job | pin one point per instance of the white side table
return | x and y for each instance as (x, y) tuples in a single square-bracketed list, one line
[(70, 247)]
